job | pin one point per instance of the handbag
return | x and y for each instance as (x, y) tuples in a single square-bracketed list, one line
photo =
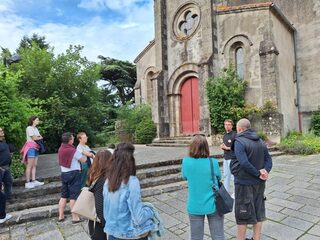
[(223, 200), (85, 204)]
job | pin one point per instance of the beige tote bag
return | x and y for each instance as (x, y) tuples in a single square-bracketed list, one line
[(85, 205)]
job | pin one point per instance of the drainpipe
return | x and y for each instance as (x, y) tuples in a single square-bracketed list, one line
[(297, 79)]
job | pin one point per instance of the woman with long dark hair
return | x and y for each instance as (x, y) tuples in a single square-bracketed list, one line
[(97, 176), (126, 216), (196, 170)]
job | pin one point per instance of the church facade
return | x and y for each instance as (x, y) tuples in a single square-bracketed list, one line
[(273, 45)]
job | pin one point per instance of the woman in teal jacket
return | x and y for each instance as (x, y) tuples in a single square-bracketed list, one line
[(196, 170)]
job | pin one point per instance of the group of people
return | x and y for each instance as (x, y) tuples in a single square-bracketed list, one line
[(254, 165), (111, 175), (112, 179)]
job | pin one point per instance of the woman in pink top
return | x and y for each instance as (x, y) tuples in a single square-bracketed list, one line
[(33, 134)]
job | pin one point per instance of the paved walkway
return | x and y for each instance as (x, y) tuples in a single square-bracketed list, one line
[(293, 209), (48, 163)]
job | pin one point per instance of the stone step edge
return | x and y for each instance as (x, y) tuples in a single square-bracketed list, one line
[(19, 182), (51, 211)]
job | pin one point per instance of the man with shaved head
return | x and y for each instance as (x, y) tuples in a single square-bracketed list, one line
[(255, 165)]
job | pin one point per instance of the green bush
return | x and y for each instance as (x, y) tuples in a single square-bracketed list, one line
[(130, 123), (225, 95), (17, 168), (297, 143), (315, 123), (146, 131)]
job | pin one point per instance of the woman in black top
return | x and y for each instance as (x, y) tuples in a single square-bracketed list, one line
[(98, 174)]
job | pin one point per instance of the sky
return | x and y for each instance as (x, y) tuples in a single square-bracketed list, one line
[(112, 28)]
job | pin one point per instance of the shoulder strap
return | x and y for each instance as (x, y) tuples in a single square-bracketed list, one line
[(212, 175), (93, 184)]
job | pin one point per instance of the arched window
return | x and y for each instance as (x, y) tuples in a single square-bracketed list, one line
[(239, 62)]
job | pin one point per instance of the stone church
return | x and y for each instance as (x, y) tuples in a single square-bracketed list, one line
[(275, 46)]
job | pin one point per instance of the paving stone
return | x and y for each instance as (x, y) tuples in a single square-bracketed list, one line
[(311, 210), (169, 221), (4, 236), (301, 215), (315, 230), (79, 236), (304, 192), (300, 183), (309, 237), (297, 223), (40, 227), (275, 216), (18, 230), (273, 207), (285, 203), (278, 194), (55, 234), (306, 200), (68, 231), (279, 231)]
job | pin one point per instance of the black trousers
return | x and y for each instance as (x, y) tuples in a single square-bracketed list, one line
[(96, 233), (2, 205)]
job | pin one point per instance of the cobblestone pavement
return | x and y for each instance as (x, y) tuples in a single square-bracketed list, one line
[(293, 209)]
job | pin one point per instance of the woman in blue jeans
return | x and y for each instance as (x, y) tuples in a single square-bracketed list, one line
[(196, 170), (126, 217)]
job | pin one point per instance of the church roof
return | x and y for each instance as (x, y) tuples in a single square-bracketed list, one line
[(224, 9), (151, 43)]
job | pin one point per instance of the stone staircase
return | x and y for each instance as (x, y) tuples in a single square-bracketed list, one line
[(182, 141), (42, 202)]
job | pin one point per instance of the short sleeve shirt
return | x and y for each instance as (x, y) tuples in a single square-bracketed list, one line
[(82, 148), (75, 164), (32, 131)]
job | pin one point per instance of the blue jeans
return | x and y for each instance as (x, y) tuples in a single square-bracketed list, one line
[(215, 226), (227, 176), (110, 237)]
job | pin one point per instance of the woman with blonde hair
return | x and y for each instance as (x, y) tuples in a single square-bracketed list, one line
[(197, 171)]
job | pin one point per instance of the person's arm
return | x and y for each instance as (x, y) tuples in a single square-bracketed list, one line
[(267, 160), (33, 135), (241, 155), (139, 213), (80, 157)]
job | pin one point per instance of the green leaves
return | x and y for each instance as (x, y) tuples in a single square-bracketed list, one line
[(225, 95)]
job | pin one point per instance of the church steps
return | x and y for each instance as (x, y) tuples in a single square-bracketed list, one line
[(42, 202)]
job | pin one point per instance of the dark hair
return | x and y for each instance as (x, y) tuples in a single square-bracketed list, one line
[(31, 120), (229, 121), (199, 147), (123, 166), (111, 146), (100, 166), (65, 138)]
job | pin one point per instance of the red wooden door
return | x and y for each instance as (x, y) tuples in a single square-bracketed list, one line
[(190, 105)]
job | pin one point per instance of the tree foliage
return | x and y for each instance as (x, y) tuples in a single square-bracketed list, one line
[(315, 123), (14, 109), (120, 78), (226, 98)]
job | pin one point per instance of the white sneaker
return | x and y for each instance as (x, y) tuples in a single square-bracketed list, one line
[(29, 185), (37, 183), (8, 216)]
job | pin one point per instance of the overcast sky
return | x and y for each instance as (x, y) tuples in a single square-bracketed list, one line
[(112, 28)]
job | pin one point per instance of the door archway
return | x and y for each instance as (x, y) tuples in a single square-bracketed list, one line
[(190, 106)]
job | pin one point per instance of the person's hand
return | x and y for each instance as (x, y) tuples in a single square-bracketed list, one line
[(223, 146), (263, 174)]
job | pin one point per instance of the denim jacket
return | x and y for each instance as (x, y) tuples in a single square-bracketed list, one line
[(127, 217)]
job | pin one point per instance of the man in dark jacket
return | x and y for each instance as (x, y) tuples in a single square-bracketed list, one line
[(255, 165), (5, 161)]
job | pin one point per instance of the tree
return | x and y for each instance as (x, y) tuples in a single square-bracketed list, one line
[(28, 42), (14, 109), (120, 77)]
